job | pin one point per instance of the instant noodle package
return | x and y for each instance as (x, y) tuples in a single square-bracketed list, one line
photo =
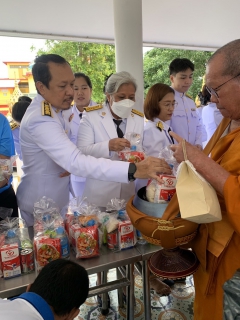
[(50, 239), (84, 233)]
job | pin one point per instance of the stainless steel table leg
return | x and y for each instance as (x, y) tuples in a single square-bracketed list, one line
[(146, 290), (104, 310), (120, 291), (130, 292)]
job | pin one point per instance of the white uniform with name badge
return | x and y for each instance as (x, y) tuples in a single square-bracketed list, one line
[(47, 152), (97, 128), (78, 183), (185, 120)]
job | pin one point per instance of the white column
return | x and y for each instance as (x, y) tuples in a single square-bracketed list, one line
[(128, 41)]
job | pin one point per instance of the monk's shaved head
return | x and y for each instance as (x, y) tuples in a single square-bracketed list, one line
[(230, 53)]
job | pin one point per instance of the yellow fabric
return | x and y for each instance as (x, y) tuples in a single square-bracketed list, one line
[(217, 244)]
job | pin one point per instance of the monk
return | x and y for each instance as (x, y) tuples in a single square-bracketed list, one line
[(217, 244)]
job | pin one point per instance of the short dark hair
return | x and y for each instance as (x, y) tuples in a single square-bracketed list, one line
[(40, 69), (204, 96), (19, 109), (63, 284), (25, 98), (83, 75), (151, 103), (180, 64)]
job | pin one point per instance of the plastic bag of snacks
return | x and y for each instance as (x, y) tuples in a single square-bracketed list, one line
[(83, 232), (6, 167), (73, 207), (50, 240), (16, 250), (121, 234), (162, 192), (135, 153)]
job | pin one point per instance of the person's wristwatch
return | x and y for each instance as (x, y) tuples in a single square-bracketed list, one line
[(131, 171)]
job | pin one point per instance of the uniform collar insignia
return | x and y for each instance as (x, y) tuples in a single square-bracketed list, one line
[(159, 125), (46, 109)]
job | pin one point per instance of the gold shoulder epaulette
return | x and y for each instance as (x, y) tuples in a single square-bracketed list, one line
[(46, 109), (88, 109), (137, 112), (187, 95), (159, 125), (13, 125)]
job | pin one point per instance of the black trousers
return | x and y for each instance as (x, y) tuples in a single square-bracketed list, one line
[(8, 200)]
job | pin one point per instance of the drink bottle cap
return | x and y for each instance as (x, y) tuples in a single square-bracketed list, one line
[(11, 234), (60, 230)]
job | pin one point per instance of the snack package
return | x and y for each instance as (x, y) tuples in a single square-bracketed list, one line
[(72, 208), (162, 192), (16, 248), (50, 241), (46, 250), (83, 233), (6, 167), (85, 241), (135, 153), (126, 235)]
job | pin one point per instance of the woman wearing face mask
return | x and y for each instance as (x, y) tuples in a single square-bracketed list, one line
[(82, 98), (102, 134)]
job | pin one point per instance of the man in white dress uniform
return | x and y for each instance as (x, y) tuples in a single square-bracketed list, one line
[(47, 150)]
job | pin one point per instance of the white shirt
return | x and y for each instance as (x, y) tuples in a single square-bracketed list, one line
[(47, 152), (21, 309), (96, 129), (211, 118), (185, 120)]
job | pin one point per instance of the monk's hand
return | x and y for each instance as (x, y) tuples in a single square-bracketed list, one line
[(150, 167), (64, 174), (118, 144), (192, 151)]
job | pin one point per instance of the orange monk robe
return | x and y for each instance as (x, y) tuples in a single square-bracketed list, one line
[(217, 244)]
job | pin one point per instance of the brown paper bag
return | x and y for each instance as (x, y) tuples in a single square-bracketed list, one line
[(197, 199)]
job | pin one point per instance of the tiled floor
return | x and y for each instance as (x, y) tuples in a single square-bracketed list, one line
[(177, 306)]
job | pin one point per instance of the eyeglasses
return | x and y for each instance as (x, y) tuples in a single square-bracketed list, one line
[(170, 105), (213, 92)]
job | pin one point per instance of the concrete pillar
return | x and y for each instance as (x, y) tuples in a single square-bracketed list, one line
[(128, 42)]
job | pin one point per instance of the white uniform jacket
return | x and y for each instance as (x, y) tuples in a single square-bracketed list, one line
[(154, 140), (47, 151), (185, 120), (75, 123), (96, 129), (211, 118)]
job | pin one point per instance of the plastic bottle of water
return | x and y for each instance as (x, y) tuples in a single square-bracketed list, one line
[(65, 249), (11, 238)]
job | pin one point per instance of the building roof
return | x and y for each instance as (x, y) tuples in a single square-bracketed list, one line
[(18, 62)]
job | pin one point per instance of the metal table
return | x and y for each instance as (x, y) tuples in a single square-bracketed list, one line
[(146, 250), (107, 260)]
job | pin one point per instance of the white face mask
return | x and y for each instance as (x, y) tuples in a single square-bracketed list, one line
[(122, 108)]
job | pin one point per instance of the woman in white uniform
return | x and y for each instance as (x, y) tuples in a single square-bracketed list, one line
[(102, 132), (159, 105), (82, 98)]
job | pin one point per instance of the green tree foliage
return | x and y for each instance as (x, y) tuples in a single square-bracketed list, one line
[(95, 60), (156, 66)]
